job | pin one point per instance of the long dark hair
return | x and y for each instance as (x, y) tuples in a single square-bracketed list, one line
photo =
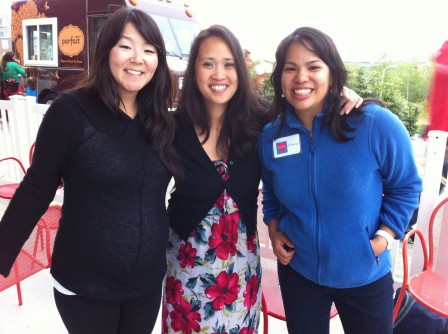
[(7, 57), (154, 99), (244, 114), (323, 46)]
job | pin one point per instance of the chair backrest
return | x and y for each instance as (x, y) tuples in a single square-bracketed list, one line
[(11, 169), (11, 173), (438, 239), (35, 254), (31, 153), (49, 224)]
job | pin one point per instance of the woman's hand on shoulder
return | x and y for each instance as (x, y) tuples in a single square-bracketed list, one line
[(283, 247), (350, 100)]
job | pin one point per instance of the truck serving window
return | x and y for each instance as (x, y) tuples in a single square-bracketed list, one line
[(40, 42)]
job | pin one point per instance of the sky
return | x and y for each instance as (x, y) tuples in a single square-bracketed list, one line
[(364, 31)]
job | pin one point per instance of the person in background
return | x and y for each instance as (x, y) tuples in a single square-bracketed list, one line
[(337, 190), (31, 87), (110, 141), (213, 278), (438, 102), (248, 60), (438, 92), (10, 72), (257, 73), (260, 77)]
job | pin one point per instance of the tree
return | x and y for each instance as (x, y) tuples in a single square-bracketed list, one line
[(401, 87)]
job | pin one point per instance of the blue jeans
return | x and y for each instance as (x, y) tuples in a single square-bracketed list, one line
[(363, 310)]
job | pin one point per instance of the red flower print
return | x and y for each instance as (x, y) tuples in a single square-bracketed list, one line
[(186, 255), (225, 291), (173, 290), (220, 202), (183, 319), (246, 330), (225, 236), (250, 243), (221, 167), (251, 293), (164, 318)]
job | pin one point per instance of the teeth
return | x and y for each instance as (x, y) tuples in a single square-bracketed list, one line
[(302, 91), (133, 72), (218, 87)]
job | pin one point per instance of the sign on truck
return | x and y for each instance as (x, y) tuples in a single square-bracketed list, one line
[(55, 39)]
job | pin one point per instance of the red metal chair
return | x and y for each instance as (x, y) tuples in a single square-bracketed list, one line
[(31, 153), (46, 231), (272, 302), (33, 258), (430, 286), (12, 279), (8, 190)]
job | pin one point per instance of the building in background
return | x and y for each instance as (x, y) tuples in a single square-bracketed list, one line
[(5, 30)]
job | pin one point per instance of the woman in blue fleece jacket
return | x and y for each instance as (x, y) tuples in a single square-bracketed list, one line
[(337, 190)]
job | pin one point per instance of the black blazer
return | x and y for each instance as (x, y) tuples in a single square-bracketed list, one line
[(202, 185)]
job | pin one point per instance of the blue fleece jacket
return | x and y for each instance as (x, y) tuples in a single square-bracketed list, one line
[(330, 197)]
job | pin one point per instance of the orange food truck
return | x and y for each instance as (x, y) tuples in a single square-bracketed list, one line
[(55, 39)]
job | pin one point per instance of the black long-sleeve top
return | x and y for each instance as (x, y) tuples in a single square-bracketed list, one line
[(202, 185), (114, 225)]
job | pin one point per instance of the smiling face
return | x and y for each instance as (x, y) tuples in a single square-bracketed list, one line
[(305, 81), (132, 62), (216, 75)]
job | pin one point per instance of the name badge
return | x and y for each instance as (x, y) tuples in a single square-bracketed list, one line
[(285, 146)]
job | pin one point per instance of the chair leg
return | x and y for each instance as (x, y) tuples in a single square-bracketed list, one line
[(19, 290), (399, 302), (36, 243), (19, 293), (264, 308), (48, 246)]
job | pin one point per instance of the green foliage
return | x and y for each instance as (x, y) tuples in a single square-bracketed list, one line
[(268, 89), (403, 88)]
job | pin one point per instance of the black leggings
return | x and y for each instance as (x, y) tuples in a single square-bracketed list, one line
[(90, 316)]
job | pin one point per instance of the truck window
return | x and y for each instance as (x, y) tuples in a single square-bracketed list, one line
[(40, 36), (177, 34), (185, 31), (95, 25)]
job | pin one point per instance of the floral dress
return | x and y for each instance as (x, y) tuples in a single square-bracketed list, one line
[(213, 278)]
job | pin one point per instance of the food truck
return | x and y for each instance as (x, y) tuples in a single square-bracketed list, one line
[(55, 39)]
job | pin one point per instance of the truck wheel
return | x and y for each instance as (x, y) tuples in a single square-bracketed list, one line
[(49, 98)]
